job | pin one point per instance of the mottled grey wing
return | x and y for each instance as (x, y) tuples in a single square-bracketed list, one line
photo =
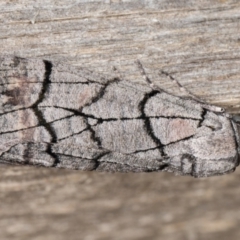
[(59, 116)]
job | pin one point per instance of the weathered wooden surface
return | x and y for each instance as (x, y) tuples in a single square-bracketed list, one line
[(195, 41)]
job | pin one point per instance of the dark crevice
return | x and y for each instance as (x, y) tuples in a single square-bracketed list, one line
[(101, 120), (86, 129), (174, 117), (137, 118), (68, 155), (164, 167), (12, 83), (17, 130), (63, 118), (53, 155), (145, 150), (84, 83), (101, 92), (46, 83), (147, 123), (76, 112), (203, 114), (94, 138), (180, 140), (89, 128), (38, 125), (15, 110), (97, 160), (132, 167), (39, 114), (161, 168)]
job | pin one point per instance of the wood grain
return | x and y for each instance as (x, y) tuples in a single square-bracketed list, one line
[(197, 42)]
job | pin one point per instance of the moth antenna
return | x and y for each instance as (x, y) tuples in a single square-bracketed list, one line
[(145, 77), (183, 89)]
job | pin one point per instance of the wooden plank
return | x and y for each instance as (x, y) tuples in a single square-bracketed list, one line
[(195, 41)]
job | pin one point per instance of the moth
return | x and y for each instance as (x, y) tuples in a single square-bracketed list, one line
[(55, 115)]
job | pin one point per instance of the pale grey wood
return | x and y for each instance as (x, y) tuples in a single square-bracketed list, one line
[(195, 41)]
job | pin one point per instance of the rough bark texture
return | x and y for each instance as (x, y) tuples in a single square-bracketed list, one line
[(195, 41)]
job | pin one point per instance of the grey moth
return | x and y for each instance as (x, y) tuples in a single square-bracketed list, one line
[(55, 115)]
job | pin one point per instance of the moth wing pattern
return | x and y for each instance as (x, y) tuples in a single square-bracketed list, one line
[(55, 115)]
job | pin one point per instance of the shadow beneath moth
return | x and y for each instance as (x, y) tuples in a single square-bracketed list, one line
[(55, 115)]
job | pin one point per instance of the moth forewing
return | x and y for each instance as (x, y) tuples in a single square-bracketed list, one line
[(59, 116)]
